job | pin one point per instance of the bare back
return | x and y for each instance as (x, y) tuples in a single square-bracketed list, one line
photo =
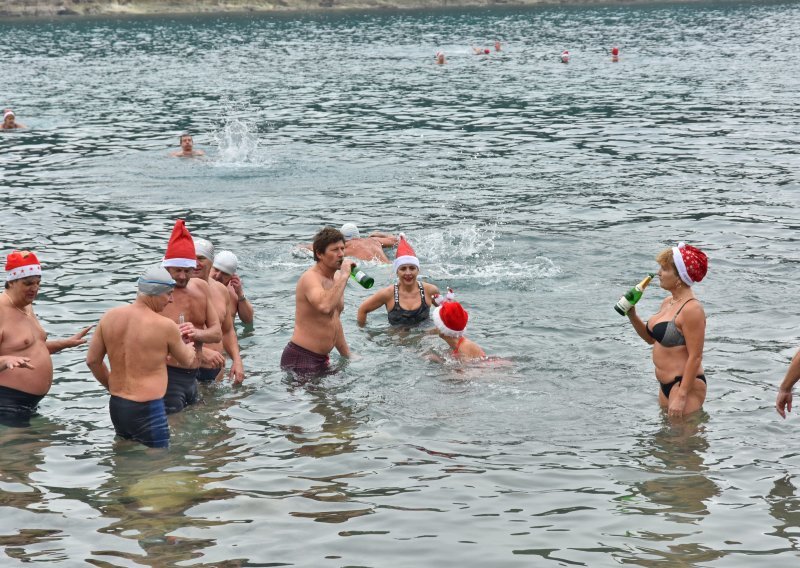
[(138, 341), (22, 335), (365, 249)]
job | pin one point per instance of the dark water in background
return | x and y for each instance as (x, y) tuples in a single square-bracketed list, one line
[(539, 191)]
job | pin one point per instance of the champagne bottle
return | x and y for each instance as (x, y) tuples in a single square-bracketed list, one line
[(632, 296), (362, 277)]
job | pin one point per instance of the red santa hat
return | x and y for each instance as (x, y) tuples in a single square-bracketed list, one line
[(614, 51), (21, 264), (691, 262), (450, 319), (405, 254), (180, 249)]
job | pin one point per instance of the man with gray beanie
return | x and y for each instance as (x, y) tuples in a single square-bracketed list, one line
[(137, 340)]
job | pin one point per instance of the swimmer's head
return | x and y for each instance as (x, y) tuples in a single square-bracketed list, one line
[(155, 281), (187, 142), (204, 248), (486, 51), (22, 264), (350, 231), (8, 113), (323, 239), (450, 319), (226, 262)]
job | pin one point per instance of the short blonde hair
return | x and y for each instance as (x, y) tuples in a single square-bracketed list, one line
[(665, 259)]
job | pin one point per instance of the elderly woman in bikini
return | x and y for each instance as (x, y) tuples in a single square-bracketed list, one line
[(677, 331)]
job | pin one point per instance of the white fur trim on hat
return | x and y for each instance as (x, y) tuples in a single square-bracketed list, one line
[(437, 321), (24, 272), (403, 260), (677, 258), (179, 263)]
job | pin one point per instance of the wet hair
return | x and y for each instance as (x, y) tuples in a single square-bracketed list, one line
[(664, 258), (325, 237)]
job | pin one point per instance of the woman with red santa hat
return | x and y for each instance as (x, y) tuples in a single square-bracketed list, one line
[(677, 331), (408, 302)]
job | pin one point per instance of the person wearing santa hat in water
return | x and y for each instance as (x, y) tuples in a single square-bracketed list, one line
[(677, 331), (408, 302), (10, 120), (193, 310), (565, 56), (26, 368), (615, 54), (451, 320), (319, 301)]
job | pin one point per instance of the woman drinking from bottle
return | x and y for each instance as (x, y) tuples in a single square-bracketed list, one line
[(677, 331), (408, 302)]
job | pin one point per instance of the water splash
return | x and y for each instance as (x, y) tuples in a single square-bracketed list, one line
[(238, 144)]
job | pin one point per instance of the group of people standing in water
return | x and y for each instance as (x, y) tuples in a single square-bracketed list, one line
[(179, 330)]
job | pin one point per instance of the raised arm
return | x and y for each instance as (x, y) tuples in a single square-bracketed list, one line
[(378, 299), (241, 305), (322, 300), (95, 356), (386, 239), (639, 326)]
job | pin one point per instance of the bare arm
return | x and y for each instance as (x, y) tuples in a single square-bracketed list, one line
[(57, 345), (386, 239), (326, 301), (213, 330), (341, 342), (231, 345), (639, 326), (242, 305), (378, 299), (95, 356), (783, 402), (186, 355)]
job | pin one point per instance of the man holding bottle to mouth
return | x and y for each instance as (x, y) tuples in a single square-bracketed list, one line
[(319, 301)]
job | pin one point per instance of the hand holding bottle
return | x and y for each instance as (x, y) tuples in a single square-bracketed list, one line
[(361, 277)]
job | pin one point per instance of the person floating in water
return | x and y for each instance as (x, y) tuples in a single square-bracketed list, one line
[(368, 248), (614, 54), (10, 120), (440, 58), (408, 302), (480, 50), (497, 46), (451, 320), (187, 148), (565, 56)]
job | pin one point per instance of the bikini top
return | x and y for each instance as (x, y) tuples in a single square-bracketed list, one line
[(399, 316), (666, 332)]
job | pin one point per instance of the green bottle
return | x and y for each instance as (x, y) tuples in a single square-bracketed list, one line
[(633, 295), (362, 277)]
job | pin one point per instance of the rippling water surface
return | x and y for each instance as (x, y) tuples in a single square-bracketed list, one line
[(539, 191)]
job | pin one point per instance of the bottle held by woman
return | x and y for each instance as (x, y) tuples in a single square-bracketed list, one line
[(632, 296), (677, 331)]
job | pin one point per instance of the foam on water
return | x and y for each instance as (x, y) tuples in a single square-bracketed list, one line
[(238, 144)]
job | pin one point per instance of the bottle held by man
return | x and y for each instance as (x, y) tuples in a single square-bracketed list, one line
[(632, 296), (362, 277)]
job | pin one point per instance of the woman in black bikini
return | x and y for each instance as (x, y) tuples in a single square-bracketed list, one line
[(408, 302), (677, 331)]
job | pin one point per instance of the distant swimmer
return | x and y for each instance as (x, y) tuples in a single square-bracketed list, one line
[(481, 51), (224, 269), (137, 340), (565, 56), (319, 301), (187, 148), (440, 58), (26, 368), (409, 301), (615, 54), (10, 120), (213, 362), (451, 320), (193, 310), (497, 46), (368, 248)]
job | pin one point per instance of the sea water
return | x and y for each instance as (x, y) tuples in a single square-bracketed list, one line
[(539, 191)]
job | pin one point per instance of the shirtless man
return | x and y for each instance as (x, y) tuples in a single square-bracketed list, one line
[(224, 270), (193, 311), (10, 120), (26, 369), (213, 363), (137, 340), (187, 148), (319, 301), (370, 248)]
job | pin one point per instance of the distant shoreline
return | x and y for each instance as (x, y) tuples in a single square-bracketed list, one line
[(11, 10)]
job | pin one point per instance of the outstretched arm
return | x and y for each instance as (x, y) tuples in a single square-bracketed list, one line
[(386, 239), (57, 345), (378, 299)]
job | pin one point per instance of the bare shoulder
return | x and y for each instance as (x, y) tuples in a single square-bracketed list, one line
[(219, 287), (693, 310), (199, 286), (430, 288)]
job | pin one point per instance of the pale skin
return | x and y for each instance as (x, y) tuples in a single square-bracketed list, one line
[(319, 301), (783, 402), (25, 362), (682, 360), (187, 149), (10, 123), (408, 291), (370, 248), (467, 351), (213, 356), (241, 305), (192, 298), (137, 340)]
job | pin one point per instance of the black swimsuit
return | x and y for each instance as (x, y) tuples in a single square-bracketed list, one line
[(399, 316)]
